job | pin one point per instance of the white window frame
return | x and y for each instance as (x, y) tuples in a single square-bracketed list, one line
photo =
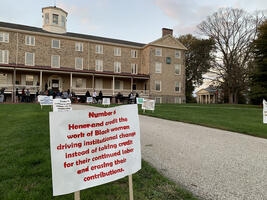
[(160, 99), (63, 21), (177, 100), (134, 68), (179, 54), (53, 18), (27, 76), (158, 52), (117, 67), (58, 44), (121, 85), (79, 46), (157, 82), (100, 64), (76, 61), (134, 53), (5, 37), (179, 86), (99, 49), (117, 51), (52, 61), (33, 57), (158, 70), (3, 53), (30, 40), (179, 68)]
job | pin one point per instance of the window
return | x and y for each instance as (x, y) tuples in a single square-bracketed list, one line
[(78, 46), (134, 53), (158, 86), (79, 82), (4, 37), (56, 44), (4, 56), (158, 100), (29, 40), (78, 63), (99, 49), (55, 19), (46, 18), (117, 51), (177, 87), (99, 65), (63, 19), (55, 61), (177, 100), (158, 67), (177, 69), (177, 54), (117, 67), (118, 85), (29, 79), (158, 52), (134, 68), (29, 59), (168, 60)]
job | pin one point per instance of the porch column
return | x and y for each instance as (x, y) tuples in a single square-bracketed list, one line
[(14, 86), (41, 80), (113, 85), (70, 82), (131, 84), (93, 82), (209, 99)]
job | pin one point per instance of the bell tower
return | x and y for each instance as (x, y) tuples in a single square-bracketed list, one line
[(54, 19)]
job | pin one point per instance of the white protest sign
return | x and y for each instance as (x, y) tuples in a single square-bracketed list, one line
[(148, 104), (89, 99), (264, 111), (106, 101), (93, 147), (139, 100), (61, 105), (46, 100)]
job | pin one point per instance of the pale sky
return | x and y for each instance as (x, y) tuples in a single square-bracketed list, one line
[(134, 20)]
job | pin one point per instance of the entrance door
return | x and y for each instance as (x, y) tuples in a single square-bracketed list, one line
[(55, 85)]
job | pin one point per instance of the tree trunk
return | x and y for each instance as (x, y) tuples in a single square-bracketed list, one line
[(230, 98), (236, 98)]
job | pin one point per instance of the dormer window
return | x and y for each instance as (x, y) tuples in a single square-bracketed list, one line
[(63, 19), (55, 19), (46, 18)]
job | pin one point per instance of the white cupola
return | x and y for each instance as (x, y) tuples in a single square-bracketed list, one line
[(54, 19)]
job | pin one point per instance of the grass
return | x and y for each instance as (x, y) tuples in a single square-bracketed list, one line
[(245, 119), (25, 167)]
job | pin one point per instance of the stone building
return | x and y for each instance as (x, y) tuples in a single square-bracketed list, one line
[(208, 95), (45, 58)]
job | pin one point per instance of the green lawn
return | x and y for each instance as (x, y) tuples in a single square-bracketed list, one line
[(25, 167), (245, 119)]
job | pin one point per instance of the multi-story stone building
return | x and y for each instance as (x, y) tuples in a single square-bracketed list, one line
[(45, 58)]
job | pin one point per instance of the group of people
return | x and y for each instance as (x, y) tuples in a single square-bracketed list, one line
[(131, 98), (25, 96), (96, 98)]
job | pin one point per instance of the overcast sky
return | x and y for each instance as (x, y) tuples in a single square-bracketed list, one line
[(134, 20)]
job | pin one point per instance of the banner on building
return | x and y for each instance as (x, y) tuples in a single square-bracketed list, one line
[(61, 105), (106, 101), (93, 147), (264, 111), (148, 104)]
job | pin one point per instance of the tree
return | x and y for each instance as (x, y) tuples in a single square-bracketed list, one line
[(233, 31), (197, 61), (258, 90)]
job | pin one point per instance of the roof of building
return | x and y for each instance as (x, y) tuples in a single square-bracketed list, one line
[(210, 89), (70, 34), (54, 7)]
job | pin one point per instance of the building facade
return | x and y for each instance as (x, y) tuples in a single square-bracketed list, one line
[(46, 58)]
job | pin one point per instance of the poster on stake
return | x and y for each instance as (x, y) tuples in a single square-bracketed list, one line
[(93, 147), (264, 111)]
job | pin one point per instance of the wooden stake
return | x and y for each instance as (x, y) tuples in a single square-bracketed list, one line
[(131, 187), (77, 195)]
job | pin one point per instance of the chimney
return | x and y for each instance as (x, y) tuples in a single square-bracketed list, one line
[(166, 31)]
